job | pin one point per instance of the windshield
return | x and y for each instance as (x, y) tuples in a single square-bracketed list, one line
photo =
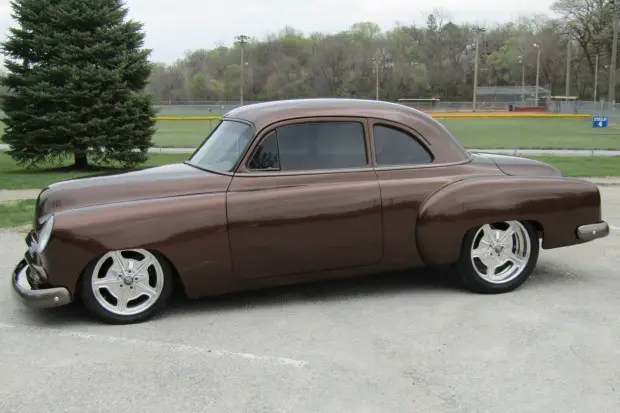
[(222, 149)]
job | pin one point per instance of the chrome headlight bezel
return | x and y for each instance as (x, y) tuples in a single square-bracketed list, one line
[(45, 234)]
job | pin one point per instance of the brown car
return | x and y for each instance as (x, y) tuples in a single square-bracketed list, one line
[(300, 190)]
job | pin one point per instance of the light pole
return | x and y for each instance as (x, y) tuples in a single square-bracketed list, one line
[(595, 78), (242, 39), (380, 60), (522, 61), (536, 45), (614, 53), (568, 59), (478, 31), (376, 63)]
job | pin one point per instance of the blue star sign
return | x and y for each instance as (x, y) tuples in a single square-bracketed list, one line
[(599, 121)]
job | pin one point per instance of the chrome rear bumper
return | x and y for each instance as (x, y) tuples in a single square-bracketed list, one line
[(591, 232)]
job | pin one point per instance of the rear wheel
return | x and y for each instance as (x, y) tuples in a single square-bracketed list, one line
[(126, 286), (498, 257)]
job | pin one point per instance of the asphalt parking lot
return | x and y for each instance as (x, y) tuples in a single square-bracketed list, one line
[(397, 343)]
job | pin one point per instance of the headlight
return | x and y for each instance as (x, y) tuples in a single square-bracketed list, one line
[(45, 234)]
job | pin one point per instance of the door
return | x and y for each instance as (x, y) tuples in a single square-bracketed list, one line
[(305, 199), (407, 176)]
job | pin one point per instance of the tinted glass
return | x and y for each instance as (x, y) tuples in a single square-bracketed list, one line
[(266, 156), (395, 147), (222, 149), (324, 145)]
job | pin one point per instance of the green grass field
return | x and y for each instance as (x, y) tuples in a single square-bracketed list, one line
[(19, 213), (14, 177), (518, 133), (532, 133), (16, 213), (182, 134), (584, 166)]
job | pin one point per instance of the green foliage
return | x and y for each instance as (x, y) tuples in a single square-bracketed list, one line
[(435, 59), (16, 213), (77, 74)]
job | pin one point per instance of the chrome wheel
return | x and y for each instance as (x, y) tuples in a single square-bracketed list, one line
[(500, 252), (127, 282)]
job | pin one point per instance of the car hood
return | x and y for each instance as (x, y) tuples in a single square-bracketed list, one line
[(519, 166), (155, 182)]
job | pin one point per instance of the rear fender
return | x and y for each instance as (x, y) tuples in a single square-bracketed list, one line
[(559, 205)]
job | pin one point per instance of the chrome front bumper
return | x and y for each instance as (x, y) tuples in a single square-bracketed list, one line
[(29, 281), (36, 298), (591, 232)]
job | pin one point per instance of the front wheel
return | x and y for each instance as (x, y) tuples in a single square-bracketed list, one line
[(498, 257), (126, 286)]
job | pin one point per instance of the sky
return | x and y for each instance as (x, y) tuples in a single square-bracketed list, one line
[(174, 27)]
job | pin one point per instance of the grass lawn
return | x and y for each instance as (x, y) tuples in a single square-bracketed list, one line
[(16, 213), (13, 177), (521, 133), (584, 166), (532, 133), (182, 134)]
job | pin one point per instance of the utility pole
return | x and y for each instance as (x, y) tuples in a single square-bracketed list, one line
[(381, 60), (614, 53), (522, 61), (376, 64), (523, 80), (242, 39), (595, 78), (536, 45), (377, 85), (478, 31), (568, 59)]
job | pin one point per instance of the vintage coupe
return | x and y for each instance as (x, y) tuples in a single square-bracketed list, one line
[(294, 191)]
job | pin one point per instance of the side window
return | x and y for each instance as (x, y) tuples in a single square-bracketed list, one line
[(321, 145), (266, 156), (395, 147)]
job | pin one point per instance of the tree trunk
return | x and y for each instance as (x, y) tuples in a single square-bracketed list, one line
[(81, 161)]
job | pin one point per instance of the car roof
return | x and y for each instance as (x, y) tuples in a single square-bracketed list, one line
[(278, 110), (444, 146)]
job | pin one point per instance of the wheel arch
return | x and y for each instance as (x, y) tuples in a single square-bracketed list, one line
[(554, 206), (191, 235), (174, 272)]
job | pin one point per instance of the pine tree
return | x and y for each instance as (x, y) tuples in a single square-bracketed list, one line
[(77, 71)]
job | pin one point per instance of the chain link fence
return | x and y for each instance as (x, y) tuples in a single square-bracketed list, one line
[(220, 108), (610, 110)]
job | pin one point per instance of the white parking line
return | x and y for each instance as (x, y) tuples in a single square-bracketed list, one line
[(177, 347), (614, 227)]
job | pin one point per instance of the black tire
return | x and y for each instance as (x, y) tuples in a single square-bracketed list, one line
[(473, 281), (95, 308)]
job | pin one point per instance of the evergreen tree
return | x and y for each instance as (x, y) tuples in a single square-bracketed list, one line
[(76, 77)]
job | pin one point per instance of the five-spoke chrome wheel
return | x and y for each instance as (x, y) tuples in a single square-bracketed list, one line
[(500, 251), (498, 257), (126, 285)]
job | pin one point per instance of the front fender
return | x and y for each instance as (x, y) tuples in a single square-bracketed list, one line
[(191, 231), (557, 204)]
